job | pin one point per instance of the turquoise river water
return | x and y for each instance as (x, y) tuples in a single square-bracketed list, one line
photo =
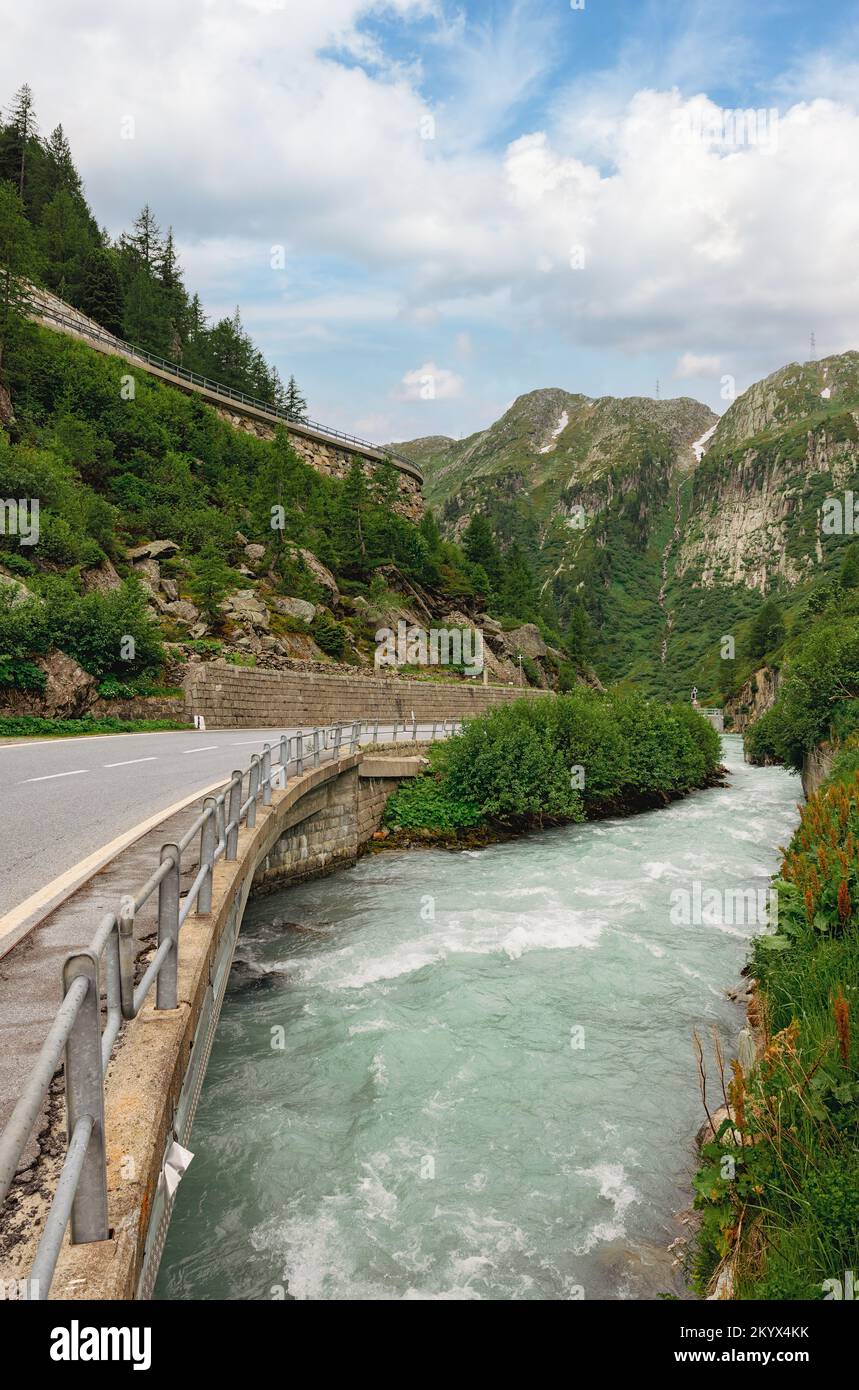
[(471, 1075)]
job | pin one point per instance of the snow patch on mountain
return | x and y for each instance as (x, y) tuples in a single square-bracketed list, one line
[(559, 428)]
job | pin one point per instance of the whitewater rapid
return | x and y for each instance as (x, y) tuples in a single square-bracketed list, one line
[(471, 1076)]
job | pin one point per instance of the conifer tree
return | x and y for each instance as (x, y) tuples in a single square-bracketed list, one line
[(294, 403)]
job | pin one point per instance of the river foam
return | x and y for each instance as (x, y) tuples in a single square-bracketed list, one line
[(486, 1087)]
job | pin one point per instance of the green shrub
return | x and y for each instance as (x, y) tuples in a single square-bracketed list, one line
[(17, 673), (328, 634), (425, 803)]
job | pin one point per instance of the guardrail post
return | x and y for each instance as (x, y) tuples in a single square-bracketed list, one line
[(316, 747), (394, 734), (167, 989), (234, 810), (338, 739), (84, 1081), (376, 732), (414, 729), (253, 792), (208, 844), (126, 955), (299, 752), (432, 735), (284, 754), (266, 774)]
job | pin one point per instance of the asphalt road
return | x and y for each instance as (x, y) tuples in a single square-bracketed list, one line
[(63, 799)]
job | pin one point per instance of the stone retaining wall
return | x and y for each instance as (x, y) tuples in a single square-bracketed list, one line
[(243, 698), (142, 707)]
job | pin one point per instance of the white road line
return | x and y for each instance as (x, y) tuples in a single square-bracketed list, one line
[(81, 738), (49, 777), (129, 761), (208, 749)]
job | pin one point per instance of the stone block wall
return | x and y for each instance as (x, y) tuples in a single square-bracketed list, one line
[(323, 834), (244, 698), (329, 826)]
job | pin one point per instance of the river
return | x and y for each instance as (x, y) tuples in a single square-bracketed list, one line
[(471, 1076)]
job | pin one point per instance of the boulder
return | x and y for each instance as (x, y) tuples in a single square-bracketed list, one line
[(149, 573), (525, 639), (324, 578), (101, 580), (170, 588), (153, 550), (244, 606), (489, 625), (182, 611), (69, 690), (254, 553), (20, 592), (296, 608)]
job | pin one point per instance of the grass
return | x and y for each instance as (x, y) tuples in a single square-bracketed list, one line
[(778, 1190), (31, 726)]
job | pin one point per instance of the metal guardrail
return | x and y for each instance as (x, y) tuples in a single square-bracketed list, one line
[(76, 1035), (88, 330)]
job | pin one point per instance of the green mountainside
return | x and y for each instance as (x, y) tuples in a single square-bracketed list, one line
[(653, 551)]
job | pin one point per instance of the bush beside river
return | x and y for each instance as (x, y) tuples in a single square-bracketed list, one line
[(550, 762)]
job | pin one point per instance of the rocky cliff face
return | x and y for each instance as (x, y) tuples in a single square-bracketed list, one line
[(755, 696)]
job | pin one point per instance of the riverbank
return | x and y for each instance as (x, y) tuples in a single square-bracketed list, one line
[(398, 837), (778, 1187)]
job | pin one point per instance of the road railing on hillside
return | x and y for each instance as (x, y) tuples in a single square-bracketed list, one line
[(77, 1037), (87, 329)]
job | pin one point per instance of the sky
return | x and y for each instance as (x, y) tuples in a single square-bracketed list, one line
[(426, 209)]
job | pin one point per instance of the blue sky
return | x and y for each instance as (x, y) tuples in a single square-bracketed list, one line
[(475, 200)]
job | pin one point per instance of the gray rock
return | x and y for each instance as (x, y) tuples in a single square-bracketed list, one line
[(525, 639), (254, 553), (153, 550), (182, 611), (20, 592), (296, 608)]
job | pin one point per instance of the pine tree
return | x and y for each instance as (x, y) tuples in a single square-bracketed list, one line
[(24, 129), (18, 263), (59, 153), (144, 241), (294, 403), (101, 295), (351, 518), (65, 245), (481, 549), (767, 631), (210, 581), (145, 317)]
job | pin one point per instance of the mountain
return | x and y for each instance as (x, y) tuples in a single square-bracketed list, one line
[(668, 526), (588, 489)]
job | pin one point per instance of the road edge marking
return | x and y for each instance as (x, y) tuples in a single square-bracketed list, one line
[(20, 920)]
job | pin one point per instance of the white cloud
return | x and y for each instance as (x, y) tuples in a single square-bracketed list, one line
[(429, 383), (250, 132), (690, 364)]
